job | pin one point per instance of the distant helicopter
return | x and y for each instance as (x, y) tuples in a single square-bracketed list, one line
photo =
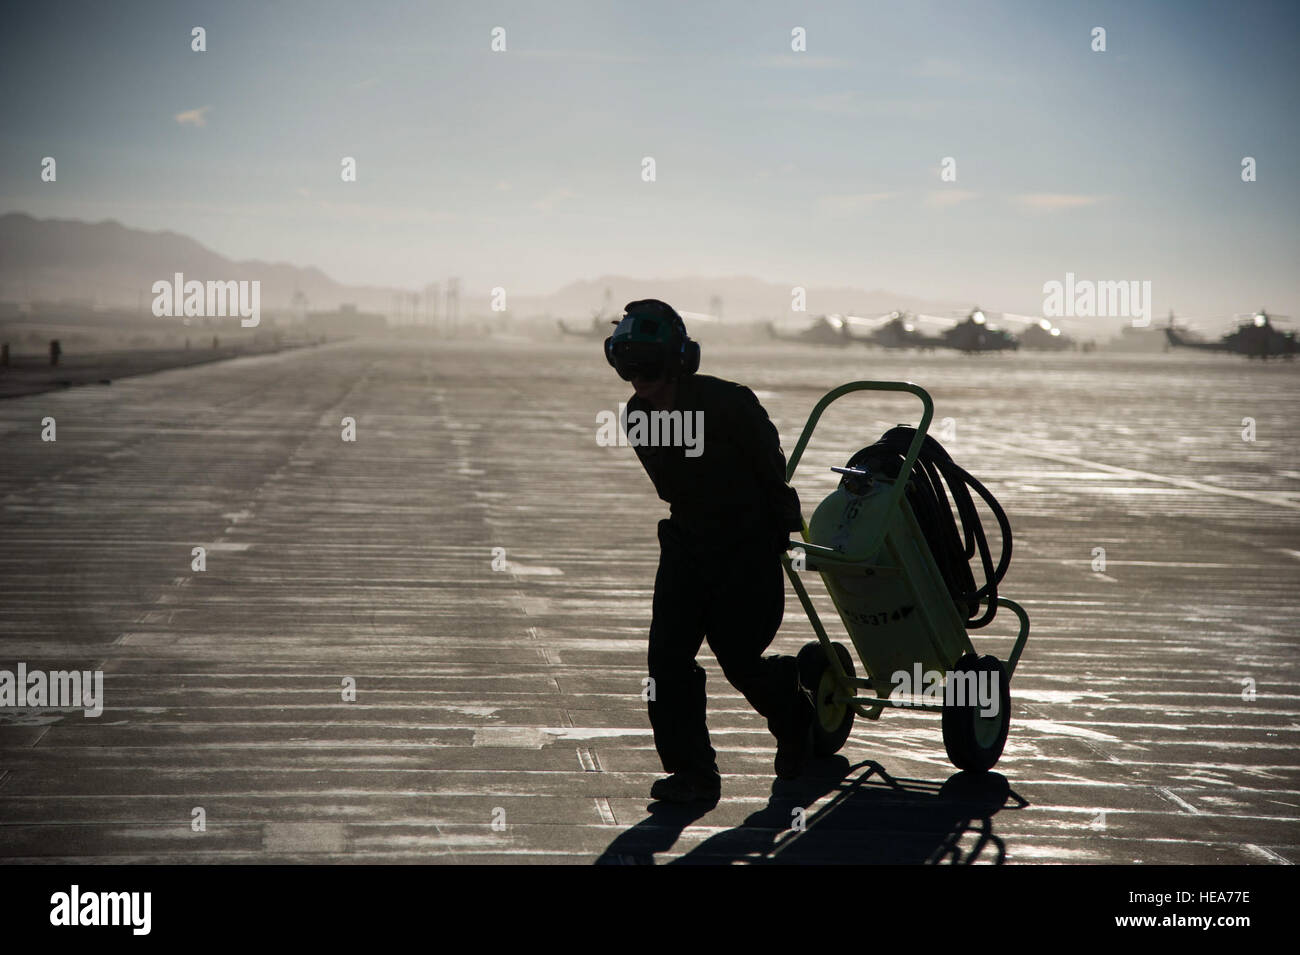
[(1041, 335), (830, 330), (892, 330), (600, 327), (601, 320), (1255, 337), (972, 334)]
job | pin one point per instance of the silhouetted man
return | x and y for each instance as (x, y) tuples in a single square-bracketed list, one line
[(720, 573)]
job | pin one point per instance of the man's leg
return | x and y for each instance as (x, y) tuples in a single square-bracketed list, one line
[(677, 700), (741, 622)]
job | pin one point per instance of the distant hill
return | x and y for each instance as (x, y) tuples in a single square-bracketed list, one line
[(110, 265)]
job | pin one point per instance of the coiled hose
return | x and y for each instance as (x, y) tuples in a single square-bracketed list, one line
[(953, 551)]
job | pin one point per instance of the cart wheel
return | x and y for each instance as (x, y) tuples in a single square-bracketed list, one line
[(975, 742), (834, 721)]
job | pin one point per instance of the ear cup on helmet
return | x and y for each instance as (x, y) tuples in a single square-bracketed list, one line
[(690, 357), (688, 350), (609, 351)]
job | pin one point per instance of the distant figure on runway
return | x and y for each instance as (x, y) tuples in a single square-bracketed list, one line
[(55, 351), (720, 573)]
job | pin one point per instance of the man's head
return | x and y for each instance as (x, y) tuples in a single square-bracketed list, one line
[(650, 347)]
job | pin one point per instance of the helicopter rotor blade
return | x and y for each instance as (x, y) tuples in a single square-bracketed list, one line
[(939, 320), (864, 322)]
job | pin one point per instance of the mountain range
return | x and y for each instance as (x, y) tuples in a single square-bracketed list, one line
[(109, 265)]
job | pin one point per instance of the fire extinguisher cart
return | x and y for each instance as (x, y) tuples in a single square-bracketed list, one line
[(898, 612)]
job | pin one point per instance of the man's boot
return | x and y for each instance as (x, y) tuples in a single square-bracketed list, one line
[(688, 787), (794, 745)]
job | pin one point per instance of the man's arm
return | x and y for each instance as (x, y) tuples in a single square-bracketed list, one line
[(761, 444), (648, 456)]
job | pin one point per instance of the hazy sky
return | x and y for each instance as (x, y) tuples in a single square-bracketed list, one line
[(523, 168)]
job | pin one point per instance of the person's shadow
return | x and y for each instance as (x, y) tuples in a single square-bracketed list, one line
[(870, 817)]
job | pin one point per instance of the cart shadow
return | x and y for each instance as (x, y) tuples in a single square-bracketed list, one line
[(870, 817)]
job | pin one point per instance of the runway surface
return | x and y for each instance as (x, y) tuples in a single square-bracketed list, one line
[(32, 374), (498, 713)]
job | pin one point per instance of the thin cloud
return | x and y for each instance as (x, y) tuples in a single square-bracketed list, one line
[(552, 199), (943, 198), (585, 56), (852, 103), (193, 117), (802, 61), (934, 68), (852, 201), (394, 215), (1056, 201)]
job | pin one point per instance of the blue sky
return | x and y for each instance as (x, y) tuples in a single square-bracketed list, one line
[(522, 168)]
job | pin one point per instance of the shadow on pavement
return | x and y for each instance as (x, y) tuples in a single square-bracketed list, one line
[(870, 817)]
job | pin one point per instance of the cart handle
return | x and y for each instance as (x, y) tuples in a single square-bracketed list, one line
[(896, 492)]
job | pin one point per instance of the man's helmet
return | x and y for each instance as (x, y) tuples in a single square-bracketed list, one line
[(651, 341)]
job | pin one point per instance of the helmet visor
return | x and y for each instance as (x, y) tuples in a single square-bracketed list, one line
[(640, 360)]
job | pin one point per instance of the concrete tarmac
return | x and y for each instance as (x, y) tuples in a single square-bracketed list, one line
[(498, 713), (30, 374)]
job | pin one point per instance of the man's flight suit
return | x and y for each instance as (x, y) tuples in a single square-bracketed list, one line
[(719, 574)]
